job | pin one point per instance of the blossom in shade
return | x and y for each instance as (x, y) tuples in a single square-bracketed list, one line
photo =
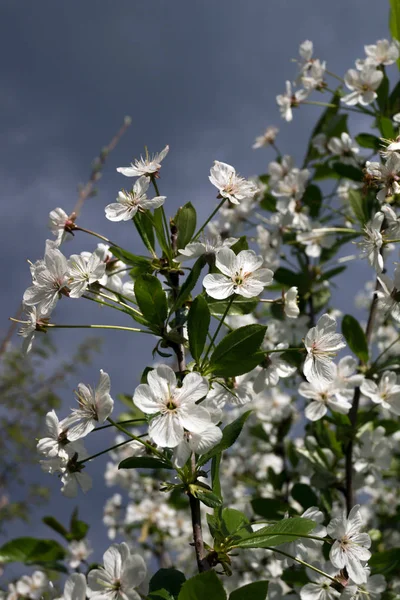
[(83, 271), (74, 587), (290, 303), (274, 368), (35, 321), (372, 243), (117, 579), (32, 586), (389, 294), (350, 549), (372, 589), (240, 274), (95, 406), (322, 344), (150, 165), (174, 407), (49, 281), (230, 185), (386, 392), (128, 203), (363, 85), (56, 443), (320, 587)]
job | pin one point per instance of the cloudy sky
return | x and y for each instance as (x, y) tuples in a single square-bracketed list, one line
[(200, 76)]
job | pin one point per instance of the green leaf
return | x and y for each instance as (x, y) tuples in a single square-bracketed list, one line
[(383, 95), (355, 337), (56, 526), (144, 225), (367, 140), (386, 562), (185, 222), (239, 306), (229, 437), (31, 550), (158, 222), (201, 586), (324, 171), (206, 496), (241, 244), (78, 528), (235, 522), (190, 282), (215, 481), (163, 594), (322, 125), (386, 128), (131, 259), (394, 22), (144, 462), (198, 324), (312, 198), (252, 591), (271, 509), (358, 205), (237, 352), (170, 580), (268, 202), (332, 273), (284, 531), (151, 299), (304, 495), (348, 171)]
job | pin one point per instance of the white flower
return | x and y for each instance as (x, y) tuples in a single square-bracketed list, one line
[(33, 586), (209, 247), (176, 406), (289, 100), (344, 147), (230, 185), (75, 587), (83, 271), (56, 444), (319, 142), (371, 589), (274, 368), (304, 547), (323, 396), (35, 322), (315, 240), (122, 572), (60, 225), (200, 443), (306, 50), (70, 472), (292, 186), (320, 586), (346, 378), (373, 452), (267, 138), (389, 295), (128, 203), (95, 406), (372, 243), (241, 274), (351, 547), (363, 83), (386, 393), (78, 551), (241, 393), (382, 53), (150, 165), (313, 78), (49, 281), (388, 175), (279, 170), (290, 303), (322, 343), (392, 221)]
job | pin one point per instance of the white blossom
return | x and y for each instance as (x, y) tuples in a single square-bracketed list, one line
[(33, 586), (350, 548), (95, 406), (149, 166), (371, 589), (322, 343), (209, 247), (372, 452), (35, 321), (122, 572), (128, 203), (386, 392), (344, 147), (313, 78), (82, 272), (279, 170), (320, 587), (389, 295), (363, 84), (60, 224), (200, 443), (289, 100), (372, 243), (240, 274), (292, 186), (74, 587), (49, 282), (274, 368), (303, 548), (387, 175), (290, 303), (230, 185), (56, 443), (175, 407), (267, 138), (315, 240), (382, 53), (323, 396), (78, 551)]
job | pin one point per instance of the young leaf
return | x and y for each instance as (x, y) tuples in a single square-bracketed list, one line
[(170, 580), (56, 526), (229, 437), (78, 528), (198, 324), (386, 128), (252, 591), (185, 222), (201, 586), (235, 522), (355, 337), (367, 140), (282, 532), (237, 352), (151, 299), (144, 462), (31, 550)]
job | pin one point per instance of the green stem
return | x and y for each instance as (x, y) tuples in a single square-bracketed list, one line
[(396, 241), (167, 232), (103, 303), (315, 103), (119, 327), (118, 302), (285, 350), (137, 439), (302, 562), (214, 212), (335, 76), (218, 329), (384, 351), (81, 462), (120, 423), (101, 237)]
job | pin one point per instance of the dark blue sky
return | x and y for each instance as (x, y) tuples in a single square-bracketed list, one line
[(201, 76)]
